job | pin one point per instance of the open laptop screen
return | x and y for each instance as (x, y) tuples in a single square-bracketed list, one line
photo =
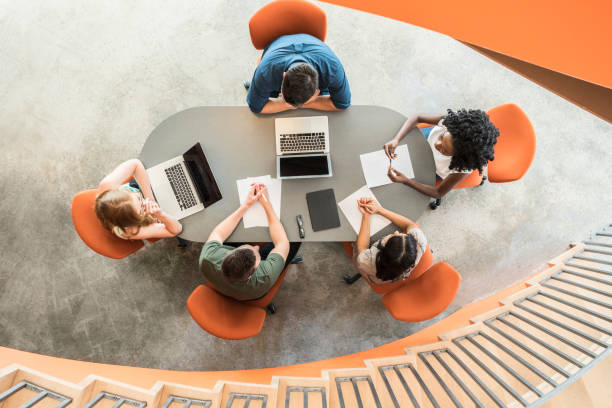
[(201, 175), (304, 165)]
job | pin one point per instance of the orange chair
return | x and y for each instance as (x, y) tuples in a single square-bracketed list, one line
[(473, 180), (228, 318), (283, 17), (93, 233), (424, 263), (224, 317), (425, 297), (515, 146)]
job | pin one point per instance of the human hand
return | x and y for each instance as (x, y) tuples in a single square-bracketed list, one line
[(390, 149), (252, 196), (362, 208), (262, 193), (396, 176), (151, 207), (372, 206)]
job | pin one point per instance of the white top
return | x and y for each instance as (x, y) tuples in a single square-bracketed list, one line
[(442, 161), (366, 260)]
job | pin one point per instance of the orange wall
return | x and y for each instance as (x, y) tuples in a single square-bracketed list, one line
[(571, 37)]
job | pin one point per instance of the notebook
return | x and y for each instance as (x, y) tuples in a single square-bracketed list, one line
[(323, 210)]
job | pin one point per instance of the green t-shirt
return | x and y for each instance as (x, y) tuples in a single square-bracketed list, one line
[(259, 284)]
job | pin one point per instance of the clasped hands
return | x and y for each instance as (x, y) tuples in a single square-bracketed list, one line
[(258, 192), (368, 206)]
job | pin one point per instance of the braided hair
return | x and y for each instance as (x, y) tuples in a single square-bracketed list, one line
[(473, 139), (396, 257)]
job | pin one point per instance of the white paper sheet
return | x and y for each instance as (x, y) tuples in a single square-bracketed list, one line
[(352, 214), (255, 215), (375, 166)]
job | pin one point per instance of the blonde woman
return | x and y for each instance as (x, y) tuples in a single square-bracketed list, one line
[(129, 210)]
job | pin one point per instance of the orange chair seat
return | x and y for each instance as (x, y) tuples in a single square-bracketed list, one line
[(224, 317), (284, 17), (516, 144), (425, 297), (93, 233)]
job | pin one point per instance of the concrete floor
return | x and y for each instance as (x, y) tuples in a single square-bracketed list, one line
[(82, 84)]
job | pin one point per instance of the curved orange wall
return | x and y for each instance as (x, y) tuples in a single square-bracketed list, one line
[(571, 37)]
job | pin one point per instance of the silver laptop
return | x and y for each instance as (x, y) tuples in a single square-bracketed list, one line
[(302, 147), (184, 184)]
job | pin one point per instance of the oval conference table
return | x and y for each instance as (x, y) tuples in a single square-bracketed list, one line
[(239, 144)]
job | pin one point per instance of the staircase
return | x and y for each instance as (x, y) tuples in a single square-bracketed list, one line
[(535, 344)]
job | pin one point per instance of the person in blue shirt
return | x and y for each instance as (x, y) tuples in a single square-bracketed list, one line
[(298, 71)]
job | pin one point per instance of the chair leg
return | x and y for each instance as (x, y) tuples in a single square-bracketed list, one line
[(435, 204), (484, 178), (182, 243), (351, 279), (271, 308)]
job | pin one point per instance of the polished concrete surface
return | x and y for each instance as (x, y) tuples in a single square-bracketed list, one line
[(82, 84)]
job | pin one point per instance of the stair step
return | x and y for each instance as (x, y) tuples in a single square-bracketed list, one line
[(356, 388), (403, 391), (299, 392), (239, 395), (177, 396)]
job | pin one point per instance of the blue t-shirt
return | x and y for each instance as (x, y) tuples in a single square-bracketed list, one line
[(287, 50)]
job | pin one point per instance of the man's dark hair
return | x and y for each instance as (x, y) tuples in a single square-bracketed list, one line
[(397, 256), (473, 138), (238, 265), (300, 83)]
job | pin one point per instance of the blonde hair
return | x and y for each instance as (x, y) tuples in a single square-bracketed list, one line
[(114, 209)]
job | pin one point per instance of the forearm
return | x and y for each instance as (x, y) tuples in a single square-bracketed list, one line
[(275, 105), (413, 121), (425, 189), (363, 239), (171, 223), (142, 178), (403, 222), (228, 225), (122, 172), (277, 231), (322, 102)]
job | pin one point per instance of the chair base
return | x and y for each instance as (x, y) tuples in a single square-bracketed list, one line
[(297, 260), (182, 243), (351, 279), (484, 178), (247, 84), (271, 308), (435, 204)]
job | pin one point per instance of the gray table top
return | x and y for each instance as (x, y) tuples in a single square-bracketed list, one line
[(239, 144)]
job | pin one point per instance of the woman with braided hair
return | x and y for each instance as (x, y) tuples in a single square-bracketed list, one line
[(392, 257), (461, 142)]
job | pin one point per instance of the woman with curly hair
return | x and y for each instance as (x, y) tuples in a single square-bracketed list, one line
[(461, 142), (129, 210)]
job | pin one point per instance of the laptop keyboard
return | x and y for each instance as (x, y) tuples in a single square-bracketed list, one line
[(180, 187), (302, 142)]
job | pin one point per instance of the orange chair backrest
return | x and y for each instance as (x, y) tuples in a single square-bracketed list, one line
[(93, 233), (425, 297), (516, 144), (283, 17), (222, 316)]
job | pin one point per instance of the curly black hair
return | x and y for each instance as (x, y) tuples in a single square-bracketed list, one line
[(473, 138), (395, 257)]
